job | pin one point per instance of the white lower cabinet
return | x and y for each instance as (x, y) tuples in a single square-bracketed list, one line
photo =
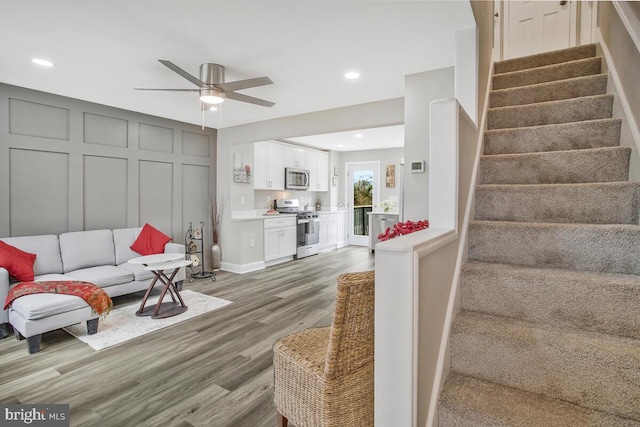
[(332, 230), (279, 238)]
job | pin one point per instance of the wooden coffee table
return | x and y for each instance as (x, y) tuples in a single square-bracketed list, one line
[(158, 264)]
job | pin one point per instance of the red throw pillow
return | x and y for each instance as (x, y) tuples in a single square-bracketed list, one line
[(150, 241), (18, 263)]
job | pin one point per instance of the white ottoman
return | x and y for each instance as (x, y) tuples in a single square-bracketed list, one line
[(32, 315)]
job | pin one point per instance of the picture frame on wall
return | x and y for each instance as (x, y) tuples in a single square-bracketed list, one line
[(391, 176), (241, 170)]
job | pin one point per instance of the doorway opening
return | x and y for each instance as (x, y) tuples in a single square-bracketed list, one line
[(363, 191)]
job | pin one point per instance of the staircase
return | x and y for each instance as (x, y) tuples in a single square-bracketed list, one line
[(549, 328)]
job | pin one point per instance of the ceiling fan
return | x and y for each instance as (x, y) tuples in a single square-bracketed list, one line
[(212, 87)]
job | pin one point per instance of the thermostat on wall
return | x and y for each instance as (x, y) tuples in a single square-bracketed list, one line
[(417, 167)]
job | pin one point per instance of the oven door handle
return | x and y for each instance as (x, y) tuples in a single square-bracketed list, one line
[(303, 221)]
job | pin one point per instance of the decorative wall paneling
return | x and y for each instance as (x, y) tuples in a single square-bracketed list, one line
[(69, 165)]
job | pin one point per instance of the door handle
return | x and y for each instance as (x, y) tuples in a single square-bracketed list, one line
[(562, 3)]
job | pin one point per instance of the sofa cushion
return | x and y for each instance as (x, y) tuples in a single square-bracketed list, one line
[(82, 249), (45, 247), (18, 263), (150, 241), (123, 238), (138, 271), (37, 306), (103, 276), (52, 277)]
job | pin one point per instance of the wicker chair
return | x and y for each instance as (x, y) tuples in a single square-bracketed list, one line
[(324, 376)]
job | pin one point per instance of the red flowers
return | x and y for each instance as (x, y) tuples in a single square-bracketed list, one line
[(403, 228)]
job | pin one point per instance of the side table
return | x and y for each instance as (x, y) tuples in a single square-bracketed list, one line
[(157, 264)]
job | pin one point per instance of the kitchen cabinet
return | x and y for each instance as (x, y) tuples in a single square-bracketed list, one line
[(279, 238), (295, 157), (268, 171), (332, 227), (272, 157), (318, 165)]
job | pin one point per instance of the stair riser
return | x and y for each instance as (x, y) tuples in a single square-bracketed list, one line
[(568, 136), (566, 203), (586, 67), (467, 401), (601, 248), (554, 297), (547, 58), (566, 111), (590, 372), (564, 89), (601, 165)]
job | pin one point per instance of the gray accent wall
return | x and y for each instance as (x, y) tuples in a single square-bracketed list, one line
[(70, 165)]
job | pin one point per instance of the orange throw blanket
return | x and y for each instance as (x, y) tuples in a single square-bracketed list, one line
[(97, 298)]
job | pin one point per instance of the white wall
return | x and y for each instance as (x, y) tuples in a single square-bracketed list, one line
[(388, 156), (420, 90)]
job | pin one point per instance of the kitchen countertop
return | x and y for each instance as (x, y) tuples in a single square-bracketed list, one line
[(260, 214), (255, 215)]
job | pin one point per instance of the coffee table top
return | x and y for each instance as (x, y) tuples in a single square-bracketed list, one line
[(168, 265), (156, 258)]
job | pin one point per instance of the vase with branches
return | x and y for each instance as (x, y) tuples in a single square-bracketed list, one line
[(216, 256)]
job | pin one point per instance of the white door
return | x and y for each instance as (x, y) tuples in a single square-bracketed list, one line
[(537, 26), (362, 181)]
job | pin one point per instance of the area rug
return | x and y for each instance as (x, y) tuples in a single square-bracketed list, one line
[(122, 324)]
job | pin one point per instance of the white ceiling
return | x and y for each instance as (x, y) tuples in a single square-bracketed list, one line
[(103, 49), (356, 140)]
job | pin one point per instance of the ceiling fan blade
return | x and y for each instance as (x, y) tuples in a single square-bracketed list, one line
[(243, 84), (249, 99), (173, 67), (171, 90)]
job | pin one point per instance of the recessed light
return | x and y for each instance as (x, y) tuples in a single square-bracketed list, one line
[(358, 135), (352, 75), (42, 62), (340, 145)]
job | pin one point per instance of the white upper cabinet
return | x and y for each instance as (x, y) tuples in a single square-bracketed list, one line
[(295, 157), (269, 166), (272, 157), (318, 162)]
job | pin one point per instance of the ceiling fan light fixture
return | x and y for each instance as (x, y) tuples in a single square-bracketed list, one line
[(211, 96)]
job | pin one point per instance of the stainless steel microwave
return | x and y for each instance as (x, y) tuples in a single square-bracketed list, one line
[(296, 179)]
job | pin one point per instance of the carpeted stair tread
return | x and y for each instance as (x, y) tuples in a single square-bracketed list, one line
[(549, 328), (471, 402), (551, 91), (592, 203), (555, 137), (570, 166), (546, 58), (550, 112), (591, 370), (547, 73), (597, 302), (609, 248)]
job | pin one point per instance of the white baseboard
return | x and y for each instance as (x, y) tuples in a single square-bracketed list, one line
[(242, 268)]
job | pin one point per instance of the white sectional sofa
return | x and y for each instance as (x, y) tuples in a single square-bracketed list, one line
[(97, 256)]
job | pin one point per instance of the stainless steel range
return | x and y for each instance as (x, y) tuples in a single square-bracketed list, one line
[(308, 226)]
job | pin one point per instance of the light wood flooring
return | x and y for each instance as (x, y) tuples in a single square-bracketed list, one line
[(213, 370)]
